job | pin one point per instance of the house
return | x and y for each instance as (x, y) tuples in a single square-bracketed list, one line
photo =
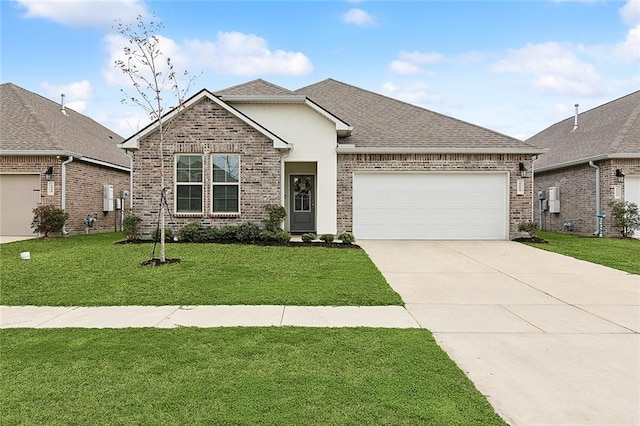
[(593, 159), (339, 159), (52, 155)]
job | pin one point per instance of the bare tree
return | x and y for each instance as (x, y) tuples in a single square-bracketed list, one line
[(151, 76)]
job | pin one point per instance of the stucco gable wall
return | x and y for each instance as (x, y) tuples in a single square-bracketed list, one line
[(206, 128)]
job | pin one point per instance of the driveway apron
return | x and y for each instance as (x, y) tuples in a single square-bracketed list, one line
[(548, 339)]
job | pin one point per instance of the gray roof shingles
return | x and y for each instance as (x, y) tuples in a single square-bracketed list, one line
[(30, 122), (607, 130)]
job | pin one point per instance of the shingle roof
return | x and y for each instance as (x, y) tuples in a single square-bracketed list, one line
[(382, 122), (607, 130), (257, 87), (32, 123)]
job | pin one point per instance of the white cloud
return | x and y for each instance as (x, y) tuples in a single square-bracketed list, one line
[(629, 49), (417, 57), (359, 17), (416, 93), (630, 12), (77, 94), (231, 53), (404, 68), (84, 13), (555, 67)]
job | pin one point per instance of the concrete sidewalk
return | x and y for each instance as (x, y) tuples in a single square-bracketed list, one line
[(204, 316)]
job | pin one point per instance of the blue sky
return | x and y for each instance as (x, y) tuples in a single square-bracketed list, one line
[(512, 66)]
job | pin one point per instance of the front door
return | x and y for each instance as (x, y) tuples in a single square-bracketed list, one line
[(302, 208)]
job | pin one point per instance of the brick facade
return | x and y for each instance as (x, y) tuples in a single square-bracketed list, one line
[(578, 194), (206, 128), (519, 205), (84, 186)]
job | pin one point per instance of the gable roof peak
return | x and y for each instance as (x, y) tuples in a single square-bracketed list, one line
[(253, 88)]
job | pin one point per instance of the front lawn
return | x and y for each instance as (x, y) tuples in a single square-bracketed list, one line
[(274, 376), (618, 253), (93, 271)]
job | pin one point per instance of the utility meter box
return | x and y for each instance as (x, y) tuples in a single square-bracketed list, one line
[(554, 199), (107, 198)]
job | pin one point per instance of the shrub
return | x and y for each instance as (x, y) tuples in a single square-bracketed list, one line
[(193, 232), (626, 217), (48, 219), (247, 232), (280, 236), (131, 226), (327, 238), (528, 227), (307, 238), (276, 216), (227, 232), (168, 234), (346, 238), (211, 233)]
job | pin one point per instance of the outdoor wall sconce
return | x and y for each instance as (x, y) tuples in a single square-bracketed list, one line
[(523, 170), (620, 175), (49, 173)]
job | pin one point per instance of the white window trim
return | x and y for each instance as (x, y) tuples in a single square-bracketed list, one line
[(225, 214), (176, 184)]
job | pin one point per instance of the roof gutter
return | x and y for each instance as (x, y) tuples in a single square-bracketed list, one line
[(58, 153), (587, 160), (351, 149)]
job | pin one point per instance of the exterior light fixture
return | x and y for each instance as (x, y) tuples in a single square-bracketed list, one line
[(523, 170), (620, 175), (49, 173)]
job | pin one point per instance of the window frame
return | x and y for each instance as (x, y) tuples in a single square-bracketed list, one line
[(177, 184), (213, 184)]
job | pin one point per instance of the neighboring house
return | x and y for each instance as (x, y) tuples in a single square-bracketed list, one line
[(593, 159), (339, 158), (52, 155)]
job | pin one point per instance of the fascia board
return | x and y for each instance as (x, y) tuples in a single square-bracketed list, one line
[(364, 150), (79, 157)]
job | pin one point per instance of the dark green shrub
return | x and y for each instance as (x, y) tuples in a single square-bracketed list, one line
[(276, 216), (211, 233), (528, 227), (48, 219), (168, 234), (280, 236), (131, 226), (247, 232), (327, 238), (626, 217), (346, 238), (193, 232), (227, 232), (307, 238)]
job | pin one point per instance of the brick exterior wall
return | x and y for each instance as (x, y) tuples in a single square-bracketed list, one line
[(84, 187), (578, 194), (206, 128), (519, 205)]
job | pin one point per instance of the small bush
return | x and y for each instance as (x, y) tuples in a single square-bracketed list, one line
[(168, 234), (276, 216), (247, 232), (48, 219), (346, 238), (528, 227), (307, 238), (193, 232), (227, 232), (327, 238), (280, 236), (626, 217), (211, 233), (131, 226)]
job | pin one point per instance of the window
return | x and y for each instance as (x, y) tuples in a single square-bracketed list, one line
[(189, 183), (226, 183)]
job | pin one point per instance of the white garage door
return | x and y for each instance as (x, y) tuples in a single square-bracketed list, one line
[(430, 206), (632, 193), (19, 195)]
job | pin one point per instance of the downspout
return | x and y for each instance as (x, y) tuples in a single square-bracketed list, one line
[(130, 155), (533, 188), (63, 193), (591, 163), (283, 181)]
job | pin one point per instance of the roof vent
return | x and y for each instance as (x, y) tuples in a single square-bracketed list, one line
[(62, 110), (575, 120)]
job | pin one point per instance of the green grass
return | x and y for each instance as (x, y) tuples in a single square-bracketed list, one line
[(93, 271), (243, 376), (622, 254)]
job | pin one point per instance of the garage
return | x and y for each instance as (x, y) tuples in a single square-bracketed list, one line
[(430, 205), (20, 194)]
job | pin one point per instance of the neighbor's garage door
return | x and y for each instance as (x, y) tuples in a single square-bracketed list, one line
[(430, 206), (19, 195)]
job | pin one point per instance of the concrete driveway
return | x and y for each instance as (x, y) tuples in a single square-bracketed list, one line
[(548, 339)]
